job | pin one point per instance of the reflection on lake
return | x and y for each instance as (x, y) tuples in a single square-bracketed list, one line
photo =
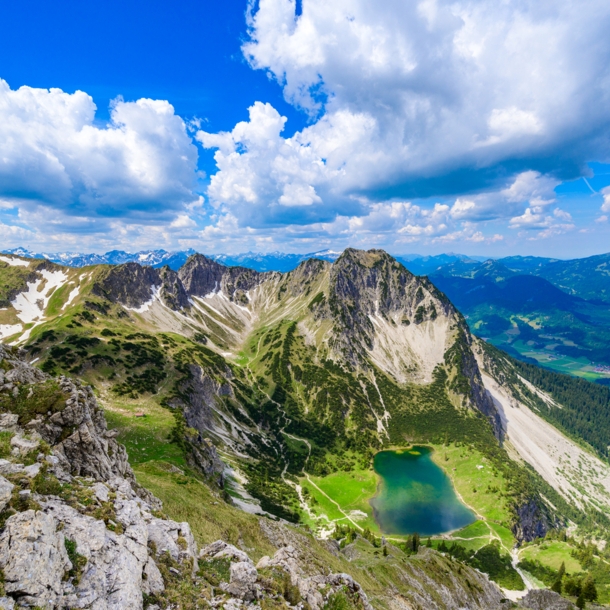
[(415, 495)]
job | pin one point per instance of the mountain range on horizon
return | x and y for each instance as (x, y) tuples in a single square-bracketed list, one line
[(268, 261)]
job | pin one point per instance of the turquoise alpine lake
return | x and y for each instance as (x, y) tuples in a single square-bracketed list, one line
[(415, 495)]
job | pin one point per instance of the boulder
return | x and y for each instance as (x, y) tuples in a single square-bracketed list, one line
[(221, 549), (242, 584), (6, 491), (32, 470), (8, 422), (7, 467), (543, 599), (22, 445), (175, 538)]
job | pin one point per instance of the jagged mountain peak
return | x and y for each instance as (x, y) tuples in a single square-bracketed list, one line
[(201, 276)]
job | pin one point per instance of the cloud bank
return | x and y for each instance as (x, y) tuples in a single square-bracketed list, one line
[(486, 106), (430, 122), (53, 154)]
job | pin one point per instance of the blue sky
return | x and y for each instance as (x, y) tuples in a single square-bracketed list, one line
[(417, 127)]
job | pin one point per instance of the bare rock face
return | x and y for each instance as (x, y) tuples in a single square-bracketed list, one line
[(201, 276), (152, 583), (57, 556), (533, 520), (133, 285), (542, 599), (129, 284), (90, 450), (172, 291), (34, 559), (116, 567), (202, 391)]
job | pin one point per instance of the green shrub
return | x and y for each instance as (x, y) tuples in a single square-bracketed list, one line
[(77, 560), (5, 444), (338, 601), (290, 592), (215, 571)]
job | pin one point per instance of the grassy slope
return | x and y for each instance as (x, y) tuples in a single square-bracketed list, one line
[(11, 278), (552, 554), (186, 498)]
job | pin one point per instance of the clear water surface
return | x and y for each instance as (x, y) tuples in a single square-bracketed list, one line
[(415, 495)]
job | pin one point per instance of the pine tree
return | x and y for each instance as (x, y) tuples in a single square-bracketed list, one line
[(415, 542), (589, 591), (562, 571), (557, 586), (580, 602), (429, 542), (409, 544), (572, 586)]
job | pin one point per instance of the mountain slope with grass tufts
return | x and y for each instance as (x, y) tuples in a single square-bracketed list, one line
[(270, 394)]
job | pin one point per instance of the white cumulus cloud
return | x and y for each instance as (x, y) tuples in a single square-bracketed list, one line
[(53, 153), (488, 105)]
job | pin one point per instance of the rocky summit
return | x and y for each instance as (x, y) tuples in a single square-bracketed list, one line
[(210, 436)]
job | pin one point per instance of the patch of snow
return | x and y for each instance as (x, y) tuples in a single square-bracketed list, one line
[(154, 296), (31, 303), (6, 330), (26, 335), (14, 262), (73, 294)]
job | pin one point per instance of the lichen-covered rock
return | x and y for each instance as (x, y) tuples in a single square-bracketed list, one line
[(34, 558), (173, 538), (221, 549), (542, 599), (242, 584), (6, 491), (152, 583)]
